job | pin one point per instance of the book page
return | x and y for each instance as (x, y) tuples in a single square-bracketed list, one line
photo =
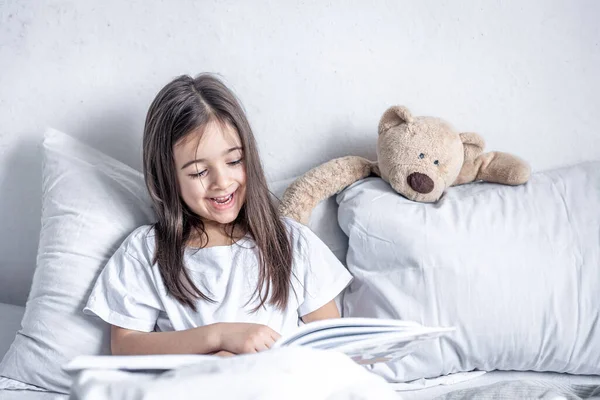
[(365, 340), (343, 326)]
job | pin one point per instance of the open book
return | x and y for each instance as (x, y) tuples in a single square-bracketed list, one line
[(365, 340)]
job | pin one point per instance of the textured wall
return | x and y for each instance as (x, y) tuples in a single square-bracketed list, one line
[(314, 76)]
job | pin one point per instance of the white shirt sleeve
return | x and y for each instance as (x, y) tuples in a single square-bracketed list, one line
[(323, 275), (125, 294)]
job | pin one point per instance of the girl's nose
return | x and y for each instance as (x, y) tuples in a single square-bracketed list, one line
[(222, 180)]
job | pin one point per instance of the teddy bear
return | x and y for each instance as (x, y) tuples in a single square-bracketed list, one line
[(420, 157)]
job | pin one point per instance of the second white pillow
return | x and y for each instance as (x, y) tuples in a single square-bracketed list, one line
[(515, 269)]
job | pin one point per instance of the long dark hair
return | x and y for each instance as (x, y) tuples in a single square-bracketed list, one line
[(183, 106)]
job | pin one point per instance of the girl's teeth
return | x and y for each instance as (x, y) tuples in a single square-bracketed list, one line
[(222, 200)]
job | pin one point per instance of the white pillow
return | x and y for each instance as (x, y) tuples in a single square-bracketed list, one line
[(90, 203), (515, 269)]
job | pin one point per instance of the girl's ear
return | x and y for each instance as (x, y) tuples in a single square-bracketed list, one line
[(394, 116)]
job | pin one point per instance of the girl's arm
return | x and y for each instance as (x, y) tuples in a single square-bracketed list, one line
[(221, 338), (201, 340), (328, 311)]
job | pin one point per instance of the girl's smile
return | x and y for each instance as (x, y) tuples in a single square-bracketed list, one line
[(223, 203)]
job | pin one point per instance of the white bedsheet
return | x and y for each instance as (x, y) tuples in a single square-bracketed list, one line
[(30, 395), (295, 378), (494, 377), (286, 373)]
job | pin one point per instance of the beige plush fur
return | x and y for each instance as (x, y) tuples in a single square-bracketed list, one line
[(420, 157), (301, 197)]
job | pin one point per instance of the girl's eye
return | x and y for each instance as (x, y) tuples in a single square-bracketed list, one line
[(198, 175), (421, 155), (436, 162), (204, 172), (236, 162)]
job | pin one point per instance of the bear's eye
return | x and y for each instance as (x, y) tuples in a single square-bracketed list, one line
[(436, 162), (421, 155)]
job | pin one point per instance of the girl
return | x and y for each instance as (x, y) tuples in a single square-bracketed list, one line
[(220, 272)]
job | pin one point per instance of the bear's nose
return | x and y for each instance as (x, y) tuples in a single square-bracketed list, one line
[(420, 182)]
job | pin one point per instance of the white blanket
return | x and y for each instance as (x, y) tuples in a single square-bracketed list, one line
[(286, 373)]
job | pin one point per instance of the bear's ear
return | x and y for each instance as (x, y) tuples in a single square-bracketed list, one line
[(394, 116), (473, 145)]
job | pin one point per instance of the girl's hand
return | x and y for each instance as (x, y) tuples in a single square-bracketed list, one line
[(240, 338), (223, 353)]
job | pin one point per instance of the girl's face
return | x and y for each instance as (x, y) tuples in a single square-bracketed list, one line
[(211, 173)]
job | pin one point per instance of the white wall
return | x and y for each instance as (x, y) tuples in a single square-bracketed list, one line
[(314, 76)]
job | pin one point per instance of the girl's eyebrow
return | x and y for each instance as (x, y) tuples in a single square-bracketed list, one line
[(187, 164)]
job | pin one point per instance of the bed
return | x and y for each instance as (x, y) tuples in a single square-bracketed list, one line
[(68, 264)]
